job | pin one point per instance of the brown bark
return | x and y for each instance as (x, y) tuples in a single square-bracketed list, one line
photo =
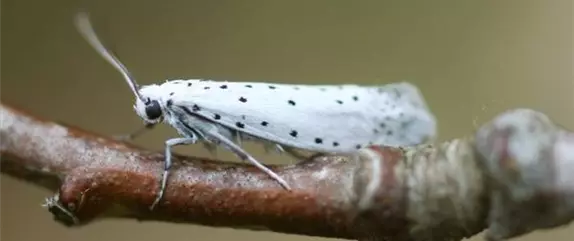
[(435, 192)]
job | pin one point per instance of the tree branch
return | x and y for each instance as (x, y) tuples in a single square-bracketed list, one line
[(518, 167)]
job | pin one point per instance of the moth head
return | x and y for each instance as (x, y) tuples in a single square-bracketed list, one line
[(149, 104)]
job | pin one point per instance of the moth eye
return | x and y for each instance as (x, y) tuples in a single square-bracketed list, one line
[(153, 110)]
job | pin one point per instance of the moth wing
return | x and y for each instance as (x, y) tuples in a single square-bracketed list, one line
[(325, 118)]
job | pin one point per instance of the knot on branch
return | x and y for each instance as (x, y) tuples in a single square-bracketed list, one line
[(529, 161)]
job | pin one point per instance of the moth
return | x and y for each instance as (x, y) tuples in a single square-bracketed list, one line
[(316, 118)]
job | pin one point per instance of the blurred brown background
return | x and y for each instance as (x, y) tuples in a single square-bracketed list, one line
[(472, 60)]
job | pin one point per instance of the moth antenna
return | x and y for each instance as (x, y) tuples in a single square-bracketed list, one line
[(85, 28)]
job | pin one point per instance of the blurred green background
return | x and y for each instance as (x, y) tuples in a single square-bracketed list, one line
[(471, 59)]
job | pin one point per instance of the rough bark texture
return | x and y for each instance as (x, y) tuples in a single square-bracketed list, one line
[(512, 178)]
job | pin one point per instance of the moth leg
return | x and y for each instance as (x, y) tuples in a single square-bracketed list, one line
[(167, 164), (268, 147), (135, 133), (294, 153), (279, 148), (245, 156), (208, 145), (211, 148), (238, 138)]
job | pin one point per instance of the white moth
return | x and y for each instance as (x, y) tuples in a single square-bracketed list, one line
[(317, 118)]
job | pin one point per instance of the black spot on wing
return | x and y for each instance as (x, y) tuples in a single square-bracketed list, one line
[(293, 133)]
